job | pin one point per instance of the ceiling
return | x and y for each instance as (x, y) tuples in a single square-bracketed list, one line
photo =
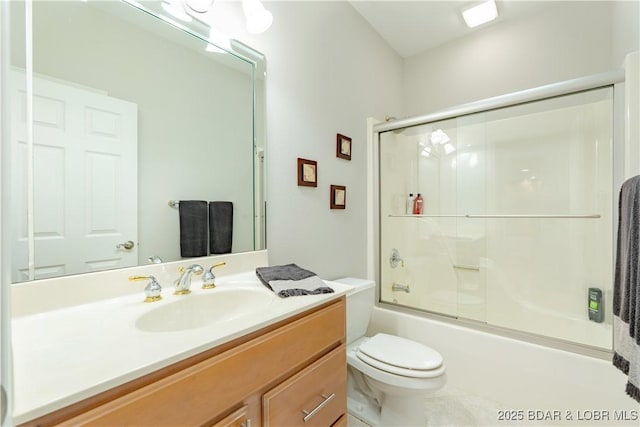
[(412, 27)]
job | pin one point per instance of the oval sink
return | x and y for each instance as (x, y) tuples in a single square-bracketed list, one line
[(197, 311)]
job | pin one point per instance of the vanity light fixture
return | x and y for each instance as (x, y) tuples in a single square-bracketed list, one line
[(218, 41), (176, 9), (480, 14), (199, 6), (258, 18)]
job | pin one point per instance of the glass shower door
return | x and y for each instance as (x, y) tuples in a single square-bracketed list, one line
[(549, 182), (518, 216)]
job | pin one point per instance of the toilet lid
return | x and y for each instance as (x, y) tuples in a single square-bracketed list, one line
[(399, 355)]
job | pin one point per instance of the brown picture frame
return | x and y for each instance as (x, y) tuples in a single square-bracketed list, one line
[(338, 197), (343, 146), (307, 173)]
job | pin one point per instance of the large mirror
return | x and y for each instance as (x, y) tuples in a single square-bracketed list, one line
[(125, 114)]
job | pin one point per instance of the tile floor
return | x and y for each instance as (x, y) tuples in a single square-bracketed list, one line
[(452, 407)]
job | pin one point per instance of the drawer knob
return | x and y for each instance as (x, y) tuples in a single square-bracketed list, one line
[(327, 399)]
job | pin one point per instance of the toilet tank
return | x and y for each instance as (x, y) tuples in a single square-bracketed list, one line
[(360, 303)]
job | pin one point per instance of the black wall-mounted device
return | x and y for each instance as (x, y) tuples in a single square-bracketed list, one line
[(596, 309)]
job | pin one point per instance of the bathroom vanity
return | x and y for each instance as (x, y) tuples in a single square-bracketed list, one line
[(279, 365)]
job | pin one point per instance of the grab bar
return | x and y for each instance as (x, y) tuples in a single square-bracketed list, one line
[(592, 216)]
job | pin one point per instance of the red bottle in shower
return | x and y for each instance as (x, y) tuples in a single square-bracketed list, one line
[(418, 205)]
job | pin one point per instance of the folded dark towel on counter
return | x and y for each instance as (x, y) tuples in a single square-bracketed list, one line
[(193, 228), (290, 280), (220, 227)]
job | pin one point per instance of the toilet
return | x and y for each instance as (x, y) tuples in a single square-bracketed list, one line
[(388, 376)]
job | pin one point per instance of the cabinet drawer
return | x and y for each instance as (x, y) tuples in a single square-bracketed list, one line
[(316, 396)]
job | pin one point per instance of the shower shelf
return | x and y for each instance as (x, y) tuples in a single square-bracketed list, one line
[(593, 216)]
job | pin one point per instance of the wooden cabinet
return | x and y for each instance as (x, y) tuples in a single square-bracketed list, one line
[(314, 397), (239, 418), (268, 378)]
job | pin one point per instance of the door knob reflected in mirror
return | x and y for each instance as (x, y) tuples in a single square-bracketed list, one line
[(126, 245)]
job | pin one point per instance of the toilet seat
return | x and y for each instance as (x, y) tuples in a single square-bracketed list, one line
[(400, 356)]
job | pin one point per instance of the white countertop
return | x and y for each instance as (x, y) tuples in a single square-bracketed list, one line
[(63, 356)]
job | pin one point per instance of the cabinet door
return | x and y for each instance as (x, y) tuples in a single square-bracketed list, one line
[(316, 396)]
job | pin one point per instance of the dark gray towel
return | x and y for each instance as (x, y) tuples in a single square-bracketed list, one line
[(220, 227), (282, 272), (193, 228), (626, 285), (290, 280)]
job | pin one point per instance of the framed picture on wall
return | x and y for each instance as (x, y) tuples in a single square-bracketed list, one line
[(338, 197), (307, 173), (343, 147)]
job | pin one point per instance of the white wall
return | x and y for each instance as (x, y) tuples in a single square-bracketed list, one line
[(626, 29), (327, 72), (567, 40)]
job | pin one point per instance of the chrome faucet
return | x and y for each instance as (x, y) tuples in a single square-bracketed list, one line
[(208, 280), (153, 289), (183, 283), (154, 259)]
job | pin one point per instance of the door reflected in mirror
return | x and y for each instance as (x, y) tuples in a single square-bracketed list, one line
[(127, 113)]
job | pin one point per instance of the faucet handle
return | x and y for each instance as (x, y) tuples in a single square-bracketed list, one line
[(208, 280), (153, 289)]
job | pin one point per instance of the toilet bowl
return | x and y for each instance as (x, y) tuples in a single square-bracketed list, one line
[(388, 376)]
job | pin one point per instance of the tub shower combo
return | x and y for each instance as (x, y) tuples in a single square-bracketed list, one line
[(519, 209)]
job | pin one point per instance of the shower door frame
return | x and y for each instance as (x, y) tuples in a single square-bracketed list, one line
[(623, 168)]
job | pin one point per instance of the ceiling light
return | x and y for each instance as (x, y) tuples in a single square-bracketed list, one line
[(258, 18), (480, 14)]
